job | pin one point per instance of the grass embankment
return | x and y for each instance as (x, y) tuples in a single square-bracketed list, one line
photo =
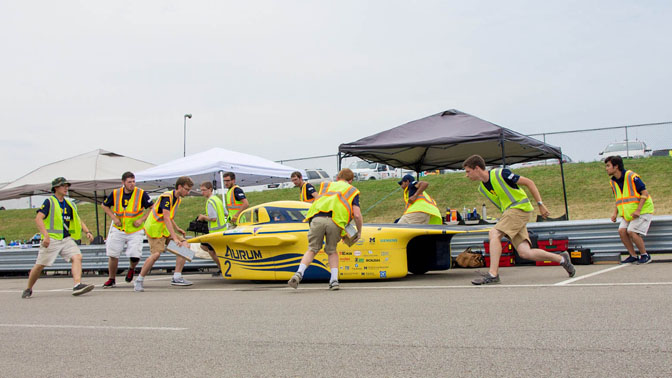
[(588, 194)]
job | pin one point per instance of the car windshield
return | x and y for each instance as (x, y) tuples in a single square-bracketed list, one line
[(312, 175), (621, 146), (362, 165), (286, 215)]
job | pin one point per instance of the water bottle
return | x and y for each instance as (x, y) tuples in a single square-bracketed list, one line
[(3, 243), (474, 214), (483, 214)]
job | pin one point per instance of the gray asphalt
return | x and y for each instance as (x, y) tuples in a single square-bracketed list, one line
[(613, 324)]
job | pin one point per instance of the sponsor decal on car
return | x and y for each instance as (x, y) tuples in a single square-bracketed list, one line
[(388, 240)]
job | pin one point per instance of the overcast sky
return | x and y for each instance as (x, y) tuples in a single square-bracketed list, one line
[(287, 79)]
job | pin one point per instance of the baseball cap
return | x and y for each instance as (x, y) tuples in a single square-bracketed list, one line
[(406, 178), (59, 181)]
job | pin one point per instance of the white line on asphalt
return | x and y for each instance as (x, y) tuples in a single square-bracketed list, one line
[(94, 327), (591, 274), (349, 287)]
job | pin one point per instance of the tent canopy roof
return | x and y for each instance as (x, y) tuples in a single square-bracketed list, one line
[(444, 140), (94, 171), (206, 165)]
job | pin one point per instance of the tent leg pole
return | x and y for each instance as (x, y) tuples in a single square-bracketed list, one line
[(95, 201), (564, 189), (501, 141), (105, 217), (221, 180), (339, 158)]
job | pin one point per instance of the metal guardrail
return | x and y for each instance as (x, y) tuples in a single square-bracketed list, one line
[(600, 235), (93, 259)]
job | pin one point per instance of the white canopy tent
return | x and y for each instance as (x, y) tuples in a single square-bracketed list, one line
[(210, 165), (92, 176)]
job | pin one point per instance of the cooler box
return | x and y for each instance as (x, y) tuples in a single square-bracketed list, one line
[(506, 259), (581, 256), (553, 243), (507, 247)]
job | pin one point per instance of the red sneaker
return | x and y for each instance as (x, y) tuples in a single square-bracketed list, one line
[(109, 283), (129, 275)]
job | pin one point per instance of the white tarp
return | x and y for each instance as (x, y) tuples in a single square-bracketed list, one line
[(97, 171), (205, 166)]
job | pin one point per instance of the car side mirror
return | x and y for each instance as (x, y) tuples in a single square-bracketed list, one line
[(601, 153)]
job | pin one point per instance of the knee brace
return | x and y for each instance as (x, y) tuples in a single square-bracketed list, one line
[(135, 259)]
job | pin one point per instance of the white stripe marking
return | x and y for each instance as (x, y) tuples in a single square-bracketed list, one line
[(94, 327), (591, 274)]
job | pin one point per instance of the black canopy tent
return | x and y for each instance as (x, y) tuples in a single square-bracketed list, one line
[(444, 140)]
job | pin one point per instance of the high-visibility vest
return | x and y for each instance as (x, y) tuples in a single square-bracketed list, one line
[(54, 221), (129, 214), (304, 195), (424, 204), (627, 200), (335, 197), (232, 204), (220, 222), (505, 197), (155, 226)]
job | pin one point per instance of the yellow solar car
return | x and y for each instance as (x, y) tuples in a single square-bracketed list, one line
[(271, 238)]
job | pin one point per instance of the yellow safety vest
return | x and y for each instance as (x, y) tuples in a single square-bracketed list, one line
[(304, 196), (155, 226), (424, 204), (335, 197), (505, 197), (232, 205), (628, 200), (217, 203), (54, 222), (130, 213)]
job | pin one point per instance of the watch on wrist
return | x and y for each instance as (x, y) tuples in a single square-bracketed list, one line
[(540, 203)]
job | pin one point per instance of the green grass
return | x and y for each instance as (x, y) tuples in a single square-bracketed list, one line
[(588, 195)]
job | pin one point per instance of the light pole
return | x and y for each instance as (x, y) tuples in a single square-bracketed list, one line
[(185, 134)]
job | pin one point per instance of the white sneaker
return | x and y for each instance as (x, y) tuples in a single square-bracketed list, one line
[(333, 285), (138, 286), (294, 281), (180, 282)]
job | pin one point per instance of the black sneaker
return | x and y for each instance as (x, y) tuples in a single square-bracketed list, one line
[(485, 279), (217, 273), (81, 289), (109, 283), (567, 264), (630, 260), (644, 259), (129, 275), (27, 293)]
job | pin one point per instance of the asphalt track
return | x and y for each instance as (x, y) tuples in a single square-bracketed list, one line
[(609, 321)]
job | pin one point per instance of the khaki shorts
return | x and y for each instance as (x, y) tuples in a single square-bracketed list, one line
[(66, 248), (639, 225), (414, 218), (513, 224), (319, 228), (158, 245)]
